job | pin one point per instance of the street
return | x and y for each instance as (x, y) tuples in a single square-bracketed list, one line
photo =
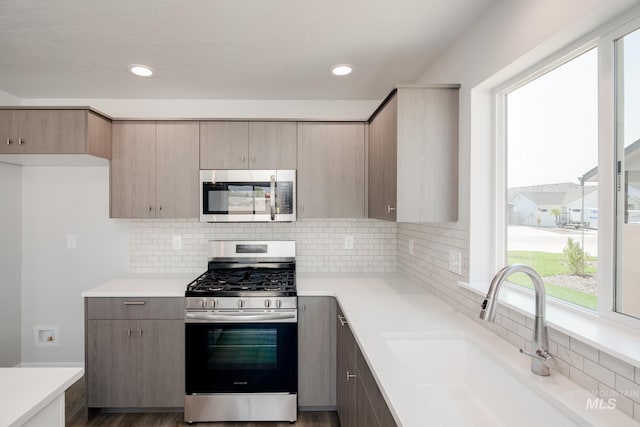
[(523, 238)]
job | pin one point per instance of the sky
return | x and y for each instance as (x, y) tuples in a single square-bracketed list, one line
[(552, 122)]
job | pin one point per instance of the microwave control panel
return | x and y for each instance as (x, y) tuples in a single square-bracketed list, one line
[(284, 197)]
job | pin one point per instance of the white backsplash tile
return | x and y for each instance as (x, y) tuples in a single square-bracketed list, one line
[(319, 244)]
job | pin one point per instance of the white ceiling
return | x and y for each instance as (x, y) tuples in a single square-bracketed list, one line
[(223, 49)]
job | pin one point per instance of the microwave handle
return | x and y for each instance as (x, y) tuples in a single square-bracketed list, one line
[(272, 198)]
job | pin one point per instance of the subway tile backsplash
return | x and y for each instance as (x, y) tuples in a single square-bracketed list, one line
[(320, 244), (600, 373)]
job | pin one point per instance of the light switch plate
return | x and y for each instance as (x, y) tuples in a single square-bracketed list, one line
[(72, 241), (176, 243), (348, 242), (455, 262)]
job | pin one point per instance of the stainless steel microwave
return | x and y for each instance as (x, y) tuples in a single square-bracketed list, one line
[(247, 195)]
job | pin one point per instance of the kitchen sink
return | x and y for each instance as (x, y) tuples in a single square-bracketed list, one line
[(459, 382)]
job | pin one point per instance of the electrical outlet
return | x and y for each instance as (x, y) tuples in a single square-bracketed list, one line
[(72, 241), (410, 246), (455, 262), (176, 243), (348, 242)]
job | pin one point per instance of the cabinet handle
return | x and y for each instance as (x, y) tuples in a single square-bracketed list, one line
[(135, 302), (343, 320), (242, 158), (350, 376), (148, 208), (253, 159), (20, 142), (128, 332), (303, 307), (159, 208), (8, 141), (390, 209), (140, 331)]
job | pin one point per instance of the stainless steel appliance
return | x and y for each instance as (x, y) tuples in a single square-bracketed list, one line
[(241, 332), (247, 195)]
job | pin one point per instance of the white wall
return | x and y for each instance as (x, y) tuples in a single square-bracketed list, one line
[(10, 263), (9, 100), (508, 39), (56, 202)]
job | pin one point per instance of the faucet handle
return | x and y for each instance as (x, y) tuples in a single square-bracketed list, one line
[(543, 356)]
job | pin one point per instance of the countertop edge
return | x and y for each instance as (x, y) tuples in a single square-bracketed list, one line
[(49, 397)]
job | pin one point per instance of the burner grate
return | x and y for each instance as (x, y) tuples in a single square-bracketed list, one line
[(251, 279)]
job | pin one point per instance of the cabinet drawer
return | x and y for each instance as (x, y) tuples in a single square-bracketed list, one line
[(135, 308)]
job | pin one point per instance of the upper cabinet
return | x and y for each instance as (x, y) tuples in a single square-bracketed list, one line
[(273, 145), (55, 131), (383, 131), (154, 170), (247, 145), (331, 170), (413, 139)]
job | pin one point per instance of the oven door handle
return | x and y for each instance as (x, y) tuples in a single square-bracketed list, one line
[(272, 197), (239, 317)]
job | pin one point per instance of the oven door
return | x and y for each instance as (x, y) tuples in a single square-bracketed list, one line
[(241, 357)]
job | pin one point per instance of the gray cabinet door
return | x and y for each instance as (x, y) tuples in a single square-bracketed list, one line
[(111, 363), (54, 131), (133, 167), (331, 170), (8, 132), (273, 145), (371, 407), (316, 353), (177, 165), (383, 163), (161, 363), (345, 365), (224, 145), (428, 153), (365, 414)]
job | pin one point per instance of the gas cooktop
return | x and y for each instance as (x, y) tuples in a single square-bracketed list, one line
[(244, 281)]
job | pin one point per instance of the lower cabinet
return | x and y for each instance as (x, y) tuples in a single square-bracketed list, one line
[(134, 353), (316, 353), (360, 402)]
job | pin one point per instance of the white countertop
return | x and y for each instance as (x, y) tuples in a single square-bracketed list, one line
[(381, 306), (142, 286), (26, 391)]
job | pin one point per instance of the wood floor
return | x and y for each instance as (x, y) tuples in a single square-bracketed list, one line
[(75, 416)]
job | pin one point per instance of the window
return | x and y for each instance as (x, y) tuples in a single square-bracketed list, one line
[(551, 179), (627, 292)]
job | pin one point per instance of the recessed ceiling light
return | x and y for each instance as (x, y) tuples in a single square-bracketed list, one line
[(341, 70), (141, 70)]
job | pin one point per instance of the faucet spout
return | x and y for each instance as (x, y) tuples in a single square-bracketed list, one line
[(540, 342)]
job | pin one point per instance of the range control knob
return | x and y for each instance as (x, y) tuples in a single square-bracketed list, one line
[(214, 303), (241, 303), (267, 303), (278, 303), (203, 303)]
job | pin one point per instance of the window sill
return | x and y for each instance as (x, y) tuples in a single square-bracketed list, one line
[(606, 335)]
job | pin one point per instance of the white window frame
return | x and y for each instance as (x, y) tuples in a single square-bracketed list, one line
[(602, 40)]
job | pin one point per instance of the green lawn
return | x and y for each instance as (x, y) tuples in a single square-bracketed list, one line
[(550, 264)]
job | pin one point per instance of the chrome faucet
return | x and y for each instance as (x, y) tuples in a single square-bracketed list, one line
[(540, 344)]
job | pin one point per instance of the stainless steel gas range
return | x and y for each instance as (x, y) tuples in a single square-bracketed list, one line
[(241, 332)]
